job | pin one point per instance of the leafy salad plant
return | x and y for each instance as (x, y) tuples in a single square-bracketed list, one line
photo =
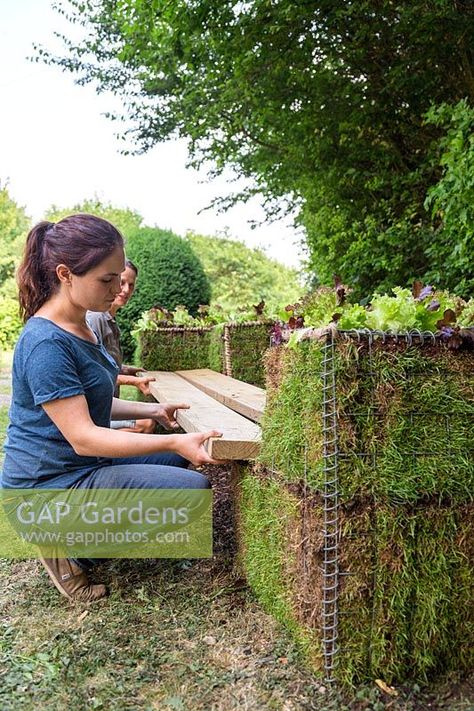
[(213, 315), (422, 308)]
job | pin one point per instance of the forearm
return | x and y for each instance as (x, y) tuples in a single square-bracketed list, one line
[(72, 418), (130, 370), (131, 410), (127, 379), (104, 442), (141, 383)]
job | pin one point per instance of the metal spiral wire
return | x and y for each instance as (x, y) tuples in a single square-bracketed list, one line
[(331, 515)]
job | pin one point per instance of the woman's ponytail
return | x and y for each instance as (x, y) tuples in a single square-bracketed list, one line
[(34, 282), (79, 241)]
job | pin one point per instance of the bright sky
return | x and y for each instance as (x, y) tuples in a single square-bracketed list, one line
[(57, 147)]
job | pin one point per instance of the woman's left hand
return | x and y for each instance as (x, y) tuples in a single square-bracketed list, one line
[(166, 414)]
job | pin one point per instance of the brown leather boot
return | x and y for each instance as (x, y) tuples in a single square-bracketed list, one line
[(72, 581)]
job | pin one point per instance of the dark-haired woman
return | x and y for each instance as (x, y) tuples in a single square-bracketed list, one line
[(63, 384)]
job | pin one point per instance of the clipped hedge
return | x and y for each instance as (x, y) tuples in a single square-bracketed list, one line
[(405, 508)]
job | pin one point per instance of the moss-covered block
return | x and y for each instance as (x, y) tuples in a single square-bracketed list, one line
[(404, 585), (174, 348), (404, 421)]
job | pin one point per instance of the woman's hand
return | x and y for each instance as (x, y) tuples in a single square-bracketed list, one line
[(166, 414), (192, 447), (142, 384)]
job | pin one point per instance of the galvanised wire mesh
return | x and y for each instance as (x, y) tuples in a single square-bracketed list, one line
[(331, 490)]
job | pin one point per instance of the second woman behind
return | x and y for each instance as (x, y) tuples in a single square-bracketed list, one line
[(105, 326)]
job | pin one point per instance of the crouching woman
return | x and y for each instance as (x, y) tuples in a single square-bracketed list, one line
[(59, 435)]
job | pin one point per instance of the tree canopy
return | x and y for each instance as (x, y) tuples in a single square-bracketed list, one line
[(123, 218), (323, 105), (14, 225), (241, 276), (452, 200)]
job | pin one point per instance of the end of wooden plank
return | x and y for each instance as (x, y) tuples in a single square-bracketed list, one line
[(223, 449)]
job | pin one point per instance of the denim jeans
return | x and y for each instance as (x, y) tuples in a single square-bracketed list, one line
[(165, 470)]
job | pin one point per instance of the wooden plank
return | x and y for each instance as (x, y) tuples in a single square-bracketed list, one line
[(240, 437), (248, 400)]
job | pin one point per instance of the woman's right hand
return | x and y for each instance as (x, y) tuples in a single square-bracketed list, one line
[(142, 384), (192, 447)]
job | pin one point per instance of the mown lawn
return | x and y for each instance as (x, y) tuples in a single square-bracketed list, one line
[(3, 428), (173, 635)]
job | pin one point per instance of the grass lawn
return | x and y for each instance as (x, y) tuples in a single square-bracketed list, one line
[(6, 358), (128, 392), (173, 635), (3, 428)]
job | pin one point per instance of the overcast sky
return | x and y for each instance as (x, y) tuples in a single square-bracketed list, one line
[(57, 147)]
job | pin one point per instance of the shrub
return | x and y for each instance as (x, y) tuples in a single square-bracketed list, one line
[(10, 322), (124, 219), (169, 274)]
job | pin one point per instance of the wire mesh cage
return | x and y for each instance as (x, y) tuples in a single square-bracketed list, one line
[(367, 491), (244, 347), (235, 349)]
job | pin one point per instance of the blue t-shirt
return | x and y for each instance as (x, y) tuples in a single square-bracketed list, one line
[(50, 364)]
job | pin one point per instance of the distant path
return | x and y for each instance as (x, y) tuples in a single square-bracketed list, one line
[(5, 393)]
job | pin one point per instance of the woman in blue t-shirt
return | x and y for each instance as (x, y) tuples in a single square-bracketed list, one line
[(59, 435)]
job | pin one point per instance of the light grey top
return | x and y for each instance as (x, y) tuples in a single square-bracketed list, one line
[(107, 331)]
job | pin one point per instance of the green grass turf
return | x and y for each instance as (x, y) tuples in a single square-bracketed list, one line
[(169, 349), (185, 349), (247, 345), (405, 420), (405, 577)]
